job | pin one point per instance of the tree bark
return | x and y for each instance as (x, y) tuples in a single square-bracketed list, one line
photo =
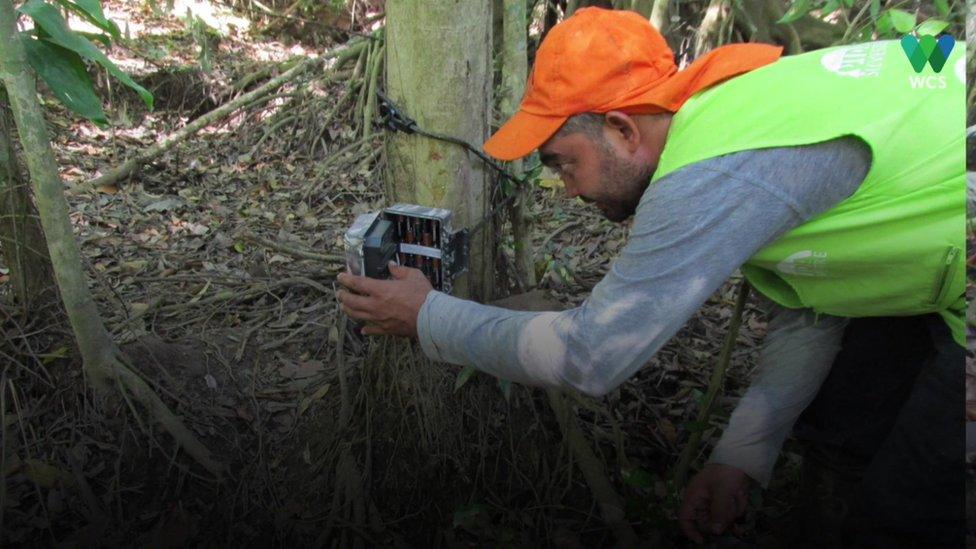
[(438, 71), (21, 238), (103, 362)]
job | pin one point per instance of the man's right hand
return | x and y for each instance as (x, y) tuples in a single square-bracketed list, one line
[(714, 498)]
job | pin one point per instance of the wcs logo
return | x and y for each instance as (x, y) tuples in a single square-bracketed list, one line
[(927, 48)]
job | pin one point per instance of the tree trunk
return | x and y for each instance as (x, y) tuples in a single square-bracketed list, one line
[(660, 17), (710, 31), (104, 363), (643, 7), (21, 239), (759, 19), (438, 71), (514, 71)]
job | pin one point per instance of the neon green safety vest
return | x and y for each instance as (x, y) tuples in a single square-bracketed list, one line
[(893, 248)]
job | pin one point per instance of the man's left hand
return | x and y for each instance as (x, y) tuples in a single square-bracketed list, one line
[(713, 500), (388, 306)]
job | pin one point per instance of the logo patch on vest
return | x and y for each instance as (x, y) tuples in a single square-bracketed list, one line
[(804, 263), (857, 61), (928, 48)]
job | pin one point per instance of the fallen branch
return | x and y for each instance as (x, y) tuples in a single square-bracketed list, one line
[(228, 295), (134, 163), (291, 250)]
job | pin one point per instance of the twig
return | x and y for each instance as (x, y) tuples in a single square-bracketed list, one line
[(553, 234)]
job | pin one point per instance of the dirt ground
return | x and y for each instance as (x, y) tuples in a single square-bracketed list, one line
[(327, 438)]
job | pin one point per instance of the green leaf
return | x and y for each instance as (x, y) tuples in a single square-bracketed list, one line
[(830, 7), (92, 11), (875, 9), (932, 26), (883, 23), (64, 72), (942, 6), (47, 18), (463, 377), (60, 352), (902, 21), (796, 11), (99, 37)]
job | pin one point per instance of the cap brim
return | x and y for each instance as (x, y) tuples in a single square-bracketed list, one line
[(522, 134)]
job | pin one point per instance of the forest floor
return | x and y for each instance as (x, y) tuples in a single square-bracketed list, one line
[(328, 438)]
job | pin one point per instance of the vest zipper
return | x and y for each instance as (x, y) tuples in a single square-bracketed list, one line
[(947, 275)]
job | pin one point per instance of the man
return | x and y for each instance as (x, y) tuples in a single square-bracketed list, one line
[(830, 179)]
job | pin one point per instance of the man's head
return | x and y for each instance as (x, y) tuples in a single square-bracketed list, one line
[(615, 63), (597, 61), (607, 159)]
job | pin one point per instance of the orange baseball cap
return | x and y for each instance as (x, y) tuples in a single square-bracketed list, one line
[(601, 60)]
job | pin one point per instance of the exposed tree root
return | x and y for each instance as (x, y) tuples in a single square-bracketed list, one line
[(127, 380), (611, 505)]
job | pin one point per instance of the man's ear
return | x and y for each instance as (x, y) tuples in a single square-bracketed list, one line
[(623, 129)]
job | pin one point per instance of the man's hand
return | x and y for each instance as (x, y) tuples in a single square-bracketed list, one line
[(714, 498), (387, 306)]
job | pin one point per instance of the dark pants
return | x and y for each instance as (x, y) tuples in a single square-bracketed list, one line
[(888, 424)]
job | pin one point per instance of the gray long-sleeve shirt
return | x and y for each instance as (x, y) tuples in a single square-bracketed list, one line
[(691, 230)]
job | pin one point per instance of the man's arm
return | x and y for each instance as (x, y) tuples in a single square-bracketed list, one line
[(796, 356), (692, 229)]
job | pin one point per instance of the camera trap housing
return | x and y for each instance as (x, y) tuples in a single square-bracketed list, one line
[(411, 236)]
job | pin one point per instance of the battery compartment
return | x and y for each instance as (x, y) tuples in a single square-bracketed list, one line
[(420, 245)]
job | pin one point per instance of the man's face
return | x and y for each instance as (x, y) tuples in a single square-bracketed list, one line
[(593, 169)]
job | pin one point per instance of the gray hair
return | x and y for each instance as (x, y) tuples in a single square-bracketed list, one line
[(589, 124)]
